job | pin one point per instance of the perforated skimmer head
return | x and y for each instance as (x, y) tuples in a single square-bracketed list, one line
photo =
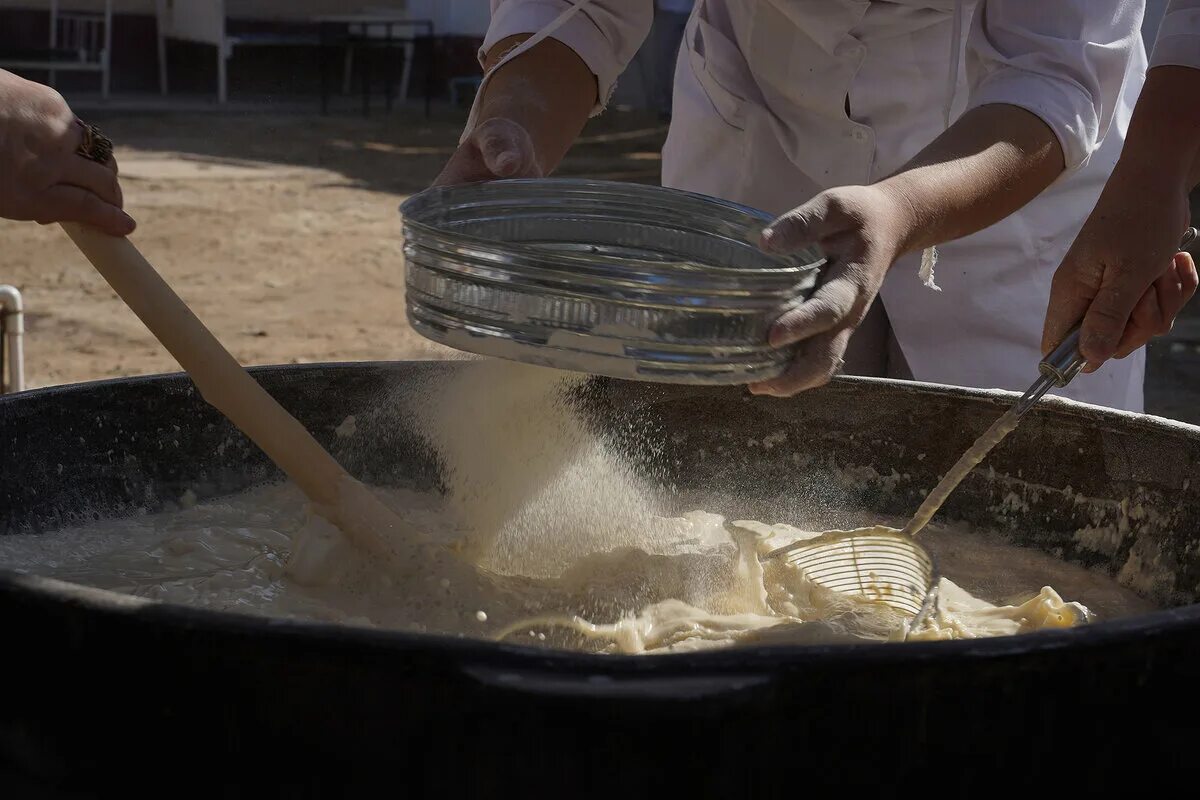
[(879, 565)]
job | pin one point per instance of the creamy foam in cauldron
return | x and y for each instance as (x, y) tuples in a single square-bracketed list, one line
[(560, 543)]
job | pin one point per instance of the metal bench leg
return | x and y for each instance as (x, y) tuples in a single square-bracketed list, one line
[(106, 74), (222, 76), (162, 65), (365, 69), (52, 77), (406, 75), (160, 16), (323, 54)]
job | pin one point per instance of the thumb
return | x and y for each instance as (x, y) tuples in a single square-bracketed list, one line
[(797, 229), (505, 147)]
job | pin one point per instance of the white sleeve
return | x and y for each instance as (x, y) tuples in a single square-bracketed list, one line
[(1178, 43), (606, 34), (1064, 61)]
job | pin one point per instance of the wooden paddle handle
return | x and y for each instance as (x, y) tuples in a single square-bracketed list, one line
[(222, 381)]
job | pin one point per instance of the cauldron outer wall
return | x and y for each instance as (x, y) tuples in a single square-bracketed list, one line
[(112, 695)]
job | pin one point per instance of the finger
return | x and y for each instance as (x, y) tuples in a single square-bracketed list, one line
[(465, 166), (1106, 319), (799, 228), (829, 307), (1144, 324), (99, 179), (1172, 295), (817, 360), (1185, 272), (63, 203), (506, 148), (1155, 312), (1070, 296)]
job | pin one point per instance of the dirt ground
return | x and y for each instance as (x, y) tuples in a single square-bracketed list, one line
[(281, 232)]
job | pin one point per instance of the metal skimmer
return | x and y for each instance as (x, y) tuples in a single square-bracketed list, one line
[(615, 279), (879, 565), (887, 565)]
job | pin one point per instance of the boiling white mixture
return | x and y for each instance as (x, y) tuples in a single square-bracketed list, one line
[(557, 542), (700, 588)]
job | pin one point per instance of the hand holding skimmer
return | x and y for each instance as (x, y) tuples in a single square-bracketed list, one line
[(887, 565)]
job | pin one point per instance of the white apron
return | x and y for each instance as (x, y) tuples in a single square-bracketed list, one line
[(760, 118)]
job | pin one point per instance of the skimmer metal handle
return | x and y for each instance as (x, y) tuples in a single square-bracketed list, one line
[(1064, 362)]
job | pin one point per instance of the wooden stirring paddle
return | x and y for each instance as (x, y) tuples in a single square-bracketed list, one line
[(226, 385)]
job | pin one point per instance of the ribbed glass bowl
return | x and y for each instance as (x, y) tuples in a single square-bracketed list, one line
[(615, 279)]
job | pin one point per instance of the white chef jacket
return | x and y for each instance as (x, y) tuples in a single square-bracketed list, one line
[(1178, 43), (777, 100)]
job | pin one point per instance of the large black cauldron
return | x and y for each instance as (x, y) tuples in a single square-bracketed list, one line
[(107, 696)]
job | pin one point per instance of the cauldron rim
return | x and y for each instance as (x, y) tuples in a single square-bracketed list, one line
[(998, 397), (995, 396), (158, 615)]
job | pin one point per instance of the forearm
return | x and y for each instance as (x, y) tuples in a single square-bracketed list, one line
[(548, 91), (1164, 134), (988, 164)]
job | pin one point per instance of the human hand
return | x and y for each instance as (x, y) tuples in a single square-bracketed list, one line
[(497, 148), (861, 230), (1123, 277), (42, 175)]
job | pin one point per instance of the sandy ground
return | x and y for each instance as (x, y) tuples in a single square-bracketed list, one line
[(281, 232)]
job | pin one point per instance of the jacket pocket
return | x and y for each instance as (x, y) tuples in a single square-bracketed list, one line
[(720, 68)]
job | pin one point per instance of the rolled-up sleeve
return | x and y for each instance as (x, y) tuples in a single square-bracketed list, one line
[(1064, 61), (1178, 43), (606, 34)]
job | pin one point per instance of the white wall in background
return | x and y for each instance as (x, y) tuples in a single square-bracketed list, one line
[(119, 6), (246, 9), (455, 17)]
